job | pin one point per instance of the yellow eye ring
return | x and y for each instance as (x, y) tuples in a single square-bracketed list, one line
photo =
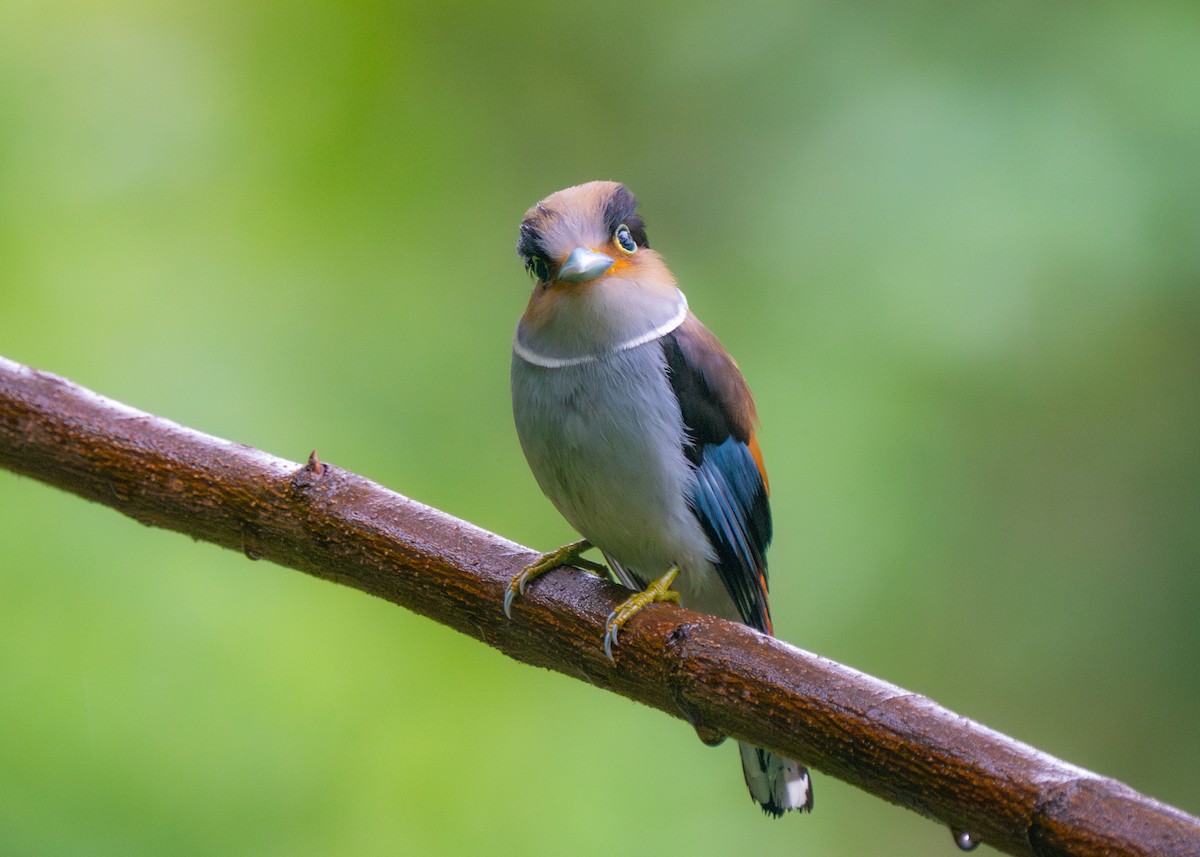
[(538, 267), (623, 238)]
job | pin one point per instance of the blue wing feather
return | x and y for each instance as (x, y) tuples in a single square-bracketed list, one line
[(730, 499)]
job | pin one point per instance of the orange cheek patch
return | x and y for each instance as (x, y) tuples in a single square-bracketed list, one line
[(542, 304)]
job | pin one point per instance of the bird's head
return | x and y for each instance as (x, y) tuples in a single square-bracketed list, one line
[(584, 233), (599, 285)]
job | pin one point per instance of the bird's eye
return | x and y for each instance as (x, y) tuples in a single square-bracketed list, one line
[(624, 239), (538, 267)]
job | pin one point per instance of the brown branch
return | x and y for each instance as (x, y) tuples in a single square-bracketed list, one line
[(722, 677)]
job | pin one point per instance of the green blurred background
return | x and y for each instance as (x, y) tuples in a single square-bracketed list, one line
[(956, 250)]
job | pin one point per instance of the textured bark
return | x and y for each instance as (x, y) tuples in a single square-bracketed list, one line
[(723, 678)]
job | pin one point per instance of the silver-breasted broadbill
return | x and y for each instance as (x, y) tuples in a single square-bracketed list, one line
[(640, 429)]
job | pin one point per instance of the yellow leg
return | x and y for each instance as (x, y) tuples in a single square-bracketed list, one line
[(657, 590), (565, 555)]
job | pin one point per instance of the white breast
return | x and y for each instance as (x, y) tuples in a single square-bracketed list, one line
[(604, 439)]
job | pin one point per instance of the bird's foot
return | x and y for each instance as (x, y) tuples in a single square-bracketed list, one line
[(565, 555), (657, 590)]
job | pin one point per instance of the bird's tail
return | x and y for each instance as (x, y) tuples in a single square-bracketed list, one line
[(778, 784)]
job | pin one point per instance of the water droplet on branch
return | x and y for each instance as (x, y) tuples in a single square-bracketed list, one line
[(964, 840)]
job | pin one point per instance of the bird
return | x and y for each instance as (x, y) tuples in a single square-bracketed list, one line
[(640, 429)]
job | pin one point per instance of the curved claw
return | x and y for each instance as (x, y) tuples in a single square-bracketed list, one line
[(509, 597), (610, 635), (565, 555), (516, 587), (657, 590)]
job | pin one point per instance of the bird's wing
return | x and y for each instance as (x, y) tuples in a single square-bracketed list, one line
[(731, 498)]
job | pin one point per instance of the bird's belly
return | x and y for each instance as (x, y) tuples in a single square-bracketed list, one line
[(605, 442)]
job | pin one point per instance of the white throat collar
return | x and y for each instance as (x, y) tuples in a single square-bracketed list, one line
[(530, 356)]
